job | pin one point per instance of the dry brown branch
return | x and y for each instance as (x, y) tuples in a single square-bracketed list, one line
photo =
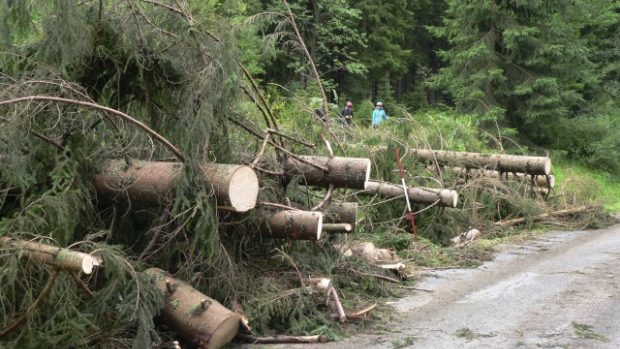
[(342, 317)]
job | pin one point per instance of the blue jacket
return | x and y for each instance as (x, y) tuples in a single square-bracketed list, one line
[(378, 115)]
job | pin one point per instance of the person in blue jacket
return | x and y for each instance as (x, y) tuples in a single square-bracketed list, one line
[(378, 115)]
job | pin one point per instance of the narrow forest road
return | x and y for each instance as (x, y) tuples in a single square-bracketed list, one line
[(559, 290)]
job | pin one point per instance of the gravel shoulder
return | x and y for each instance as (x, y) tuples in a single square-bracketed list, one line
[(559, 290)]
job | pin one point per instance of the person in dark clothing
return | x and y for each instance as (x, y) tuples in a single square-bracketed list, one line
[(346, 114)]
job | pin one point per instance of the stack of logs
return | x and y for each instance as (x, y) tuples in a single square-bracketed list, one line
[(203, 320)]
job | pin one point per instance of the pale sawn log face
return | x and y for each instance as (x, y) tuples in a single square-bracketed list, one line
[(342, 172), (199, 318), (154, 182)]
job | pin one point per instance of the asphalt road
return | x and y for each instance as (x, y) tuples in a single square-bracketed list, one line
[(560, 290)]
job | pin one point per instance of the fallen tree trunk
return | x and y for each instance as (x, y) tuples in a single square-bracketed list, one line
[(539, 180), (337, 228), (339, 171), (533, 165), (149, 182), (282, 339), (341, 212), (60, 258), (290, 224), (200, 319), (521, 220), (443, 197)]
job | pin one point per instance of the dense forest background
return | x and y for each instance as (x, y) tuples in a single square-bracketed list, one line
[(548, 71)]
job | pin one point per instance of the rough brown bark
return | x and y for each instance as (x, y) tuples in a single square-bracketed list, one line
[(342, 212), (536, 165), (290, 224), (200, 319), (445, 197), (342, 172), (60, 258), (539, 180), (151, 182)]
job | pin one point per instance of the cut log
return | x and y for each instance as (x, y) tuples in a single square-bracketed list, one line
[(398, 268), (337, 228), (321, 285), (466, 237), (443, 197), (367, 250), (341, 172), (290, 224), (282, 339), (200, 319), (521, 220), (533, 165), (60, 258), (341, 212), (150, 182), (539, 180)]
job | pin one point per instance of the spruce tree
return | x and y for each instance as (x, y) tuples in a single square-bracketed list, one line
[(525, 59)]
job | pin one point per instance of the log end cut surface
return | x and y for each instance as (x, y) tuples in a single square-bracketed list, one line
[(243, 189), (225, 332), (368, 169), (547, 166)]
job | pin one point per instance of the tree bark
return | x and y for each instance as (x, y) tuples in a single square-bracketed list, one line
[(282, 339), (60, 258), (445, 197), (150, 182), (290, 224), (341, 212), (534, 165), (337, 228), (200, 319), (341, 172), (539, 180), (521, 220)]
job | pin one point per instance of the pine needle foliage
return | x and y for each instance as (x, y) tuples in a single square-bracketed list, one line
[(154, 62)]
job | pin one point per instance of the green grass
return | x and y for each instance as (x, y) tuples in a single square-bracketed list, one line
[(584, 331), (604, 187)]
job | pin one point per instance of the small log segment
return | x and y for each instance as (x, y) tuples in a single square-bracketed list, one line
[(290, 224), (281, 339), (149, 182), (198, 318), (443, 197), (522, 220), (341, 213), (339, 171), (60, 258), (533, 165), (538, 180)]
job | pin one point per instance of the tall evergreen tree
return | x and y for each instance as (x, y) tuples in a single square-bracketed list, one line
[(525, 58)]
